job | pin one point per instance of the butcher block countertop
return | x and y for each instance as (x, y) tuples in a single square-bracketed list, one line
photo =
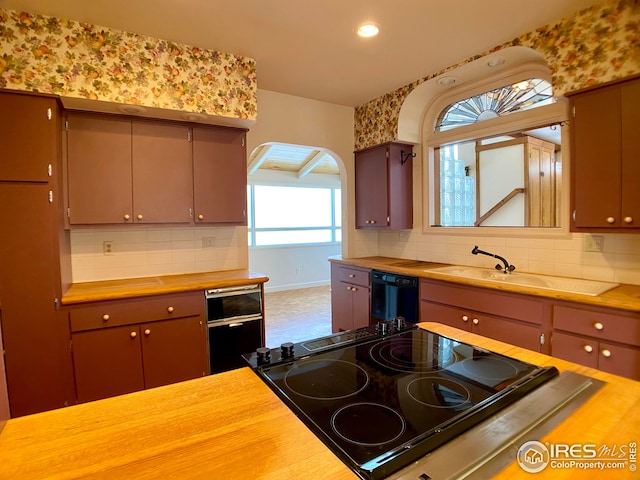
[(140, 287), (232, 426), (623, 297)]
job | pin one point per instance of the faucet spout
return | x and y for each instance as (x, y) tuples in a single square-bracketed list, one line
[(506, 268)]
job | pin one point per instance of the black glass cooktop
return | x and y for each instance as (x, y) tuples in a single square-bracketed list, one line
[(381, 402)]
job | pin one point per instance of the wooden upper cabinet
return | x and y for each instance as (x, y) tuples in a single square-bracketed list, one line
[(219, 176), (384, 187), (99, 169), (30, 122), (162, 173), (605, 149)]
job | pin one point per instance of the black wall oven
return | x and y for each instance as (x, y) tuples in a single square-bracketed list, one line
[(234, 324)]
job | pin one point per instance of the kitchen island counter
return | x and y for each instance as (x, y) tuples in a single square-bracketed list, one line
[(231, 426)]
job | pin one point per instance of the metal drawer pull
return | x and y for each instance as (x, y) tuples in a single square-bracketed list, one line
[(588, 348), (147, 332), (598, 326), (170, 309), (105, 317), (475, 321), (465, 318), (606, 353), (133, 334)]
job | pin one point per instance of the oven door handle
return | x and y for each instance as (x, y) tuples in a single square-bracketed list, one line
[(234, 322)]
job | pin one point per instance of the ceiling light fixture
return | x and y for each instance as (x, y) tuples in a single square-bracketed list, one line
[(446, 81), (368, 30), (495, 62)]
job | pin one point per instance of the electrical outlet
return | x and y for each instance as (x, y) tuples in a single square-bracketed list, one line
[(108, 247), (403, 236), (208, 242), (298, 270), (594, 243)]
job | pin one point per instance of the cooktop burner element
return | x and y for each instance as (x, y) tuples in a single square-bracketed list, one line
[(382, 398)]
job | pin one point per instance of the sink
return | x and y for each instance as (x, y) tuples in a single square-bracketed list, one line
[(546, 282)]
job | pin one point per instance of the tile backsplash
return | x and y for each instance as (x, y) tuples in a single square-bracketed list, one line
[(141, 252), (619, 260)]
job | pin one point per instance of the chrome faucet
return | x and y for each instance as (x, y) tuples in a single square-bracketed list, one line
[(506, 269)]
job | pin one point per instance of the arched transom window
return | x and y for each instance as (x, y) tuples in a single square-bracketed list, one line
[(516, 97)]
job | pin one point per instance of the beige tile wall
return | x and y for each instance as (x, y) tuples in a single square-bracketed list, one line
[(142, 252), (619, 262)]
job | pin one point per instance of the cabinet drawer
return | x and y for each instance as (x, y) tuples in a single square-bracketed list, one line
[(599, 324), (516, 307), (136, 310), (355, 276), (583, 351)]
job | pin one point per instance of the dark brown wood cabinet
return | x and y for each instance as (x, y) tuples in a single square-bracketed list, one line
[(511, 318), (34, 259), (605, 147), (350, 301), (129, 345), (134, 171), (384, 187), (600, 338), (219, 176)]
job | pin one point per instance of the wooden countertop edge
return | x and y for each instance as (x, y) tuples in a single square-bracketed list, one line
[(87, 292), (624, 297)]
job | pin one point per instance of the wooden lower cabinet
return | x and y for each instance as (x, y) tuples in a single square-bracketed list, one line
[(350, 301), (114, 361), (511, 318), (123, 346), (599, 338)]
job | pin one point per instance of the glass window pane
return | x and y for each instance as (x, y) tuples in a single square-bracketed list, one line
[(338, 207), (292, 207), (292, 237)]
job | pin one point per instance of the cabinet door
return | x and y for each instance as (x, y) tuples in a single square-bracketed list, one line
[(515, 333), (173, 351), (107, 362), (360, 306), (341, 307), (28, 123), (452, 316), (35, 334), (99, 169), (219, 175), (372, 181), (596, 169), (162, 173), (581, 350), (630, 213)]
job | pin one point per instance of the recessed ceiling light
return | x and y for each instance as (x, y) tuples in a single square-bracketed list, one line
[(368, 30), (446, 81), (495, 62)]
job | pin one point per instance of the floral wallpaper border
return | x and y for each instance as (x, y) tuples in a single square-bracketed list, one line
[(597, 45), (44, 54)]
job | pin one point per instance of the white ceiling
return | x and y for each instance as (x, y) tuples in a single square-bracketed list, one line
[(308, 48)]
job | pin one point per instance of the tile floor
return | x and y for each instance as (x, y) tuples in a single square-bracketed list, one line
[(297, 315)]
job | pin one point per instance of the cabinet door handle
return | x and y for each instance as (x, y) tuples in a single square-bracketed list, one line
[(598, 326), (133, 334), (628, 219), (588, 348), (147, 332), (200, 217), (105, 317), (139, 216), (611, 220), (475, 321), (351, 275), (465, 318), (606, 353), (127, 216), (170, 309)]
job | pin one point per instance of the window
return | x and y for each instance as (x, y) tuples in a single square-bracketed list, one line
[(286, 215), (517, 97)]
